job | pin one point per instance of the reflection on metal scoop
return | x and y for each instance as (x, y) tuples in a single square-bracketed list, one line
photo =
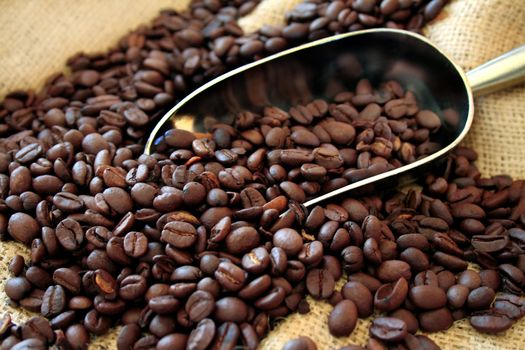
[(314, 70)]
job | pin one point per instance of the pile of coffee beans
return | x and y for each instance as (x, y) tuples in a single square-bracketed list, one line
[(407, 256), (301, 153), (205, 243)]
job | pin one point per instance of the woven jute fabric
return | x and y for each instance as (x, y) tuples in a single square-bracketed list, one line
[(36, 37)]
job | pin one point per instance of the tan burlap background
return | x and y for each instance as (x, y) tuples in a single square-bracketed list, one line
[(36, 37)]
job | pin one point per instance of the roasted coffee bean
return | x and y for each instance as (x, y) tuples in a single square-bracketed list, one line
[(435, 320), (242, 240), (428, 297), (480, 298), (230, 276), (231, 309), (289, 240), (491, 323), (53, 301), (256, 261), (202, 335), (69, 234), (39, 328), (179, 234), (226, 336), (343, 318), (16, 265), (67, 278), (388, 329), (132, 287), (31, 344), (23, 227), (17, 288), (361, 296), (135, 244), (457, 295), (320, 283), (128, 335), (391, 295), (77, 336), (200, 305), (392, 270)]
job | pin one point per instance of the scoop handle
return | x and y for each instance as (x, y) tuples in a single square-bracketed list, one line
[(499, 73)]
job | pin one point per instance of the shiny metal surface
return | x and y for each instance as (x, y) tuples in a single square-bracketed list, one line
[(504, 71), (322, 68)]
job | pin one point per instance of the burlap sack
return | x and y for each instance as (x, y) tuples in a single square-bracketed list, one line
[(37, 36)]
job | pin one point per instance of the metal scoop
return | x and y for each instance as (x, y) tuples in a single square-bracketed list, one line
[(315, 69)]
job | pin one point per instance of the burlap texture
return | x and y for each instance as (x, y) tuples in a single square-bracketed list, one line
[(36, 37)]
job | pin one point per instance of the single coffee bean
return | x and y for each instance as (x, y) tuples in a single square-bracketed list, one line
[(320, 283), (388, 329), (202, 335), (53, 301), (200, 305), (343, 318), (16, 265), (428, 297), (491, 323), (17, 287), (179, 234), (230, 276), (480, 298), (361, 296), (391, 295), (435, 320)]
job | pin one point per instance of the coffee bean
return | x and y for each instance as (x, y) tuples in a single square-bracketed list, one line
[(320, 283), (491, 323), (256, 261), (135, 244), (67, 278), (53, 301), (480, 298), (361, 296), (231, 309), (392, 270), (289, 240), (226, 336), (69, 234), (16, 265), (391, 295), (174, 341), (200, 305), (230, 276), (179, 234), (202, 335), (127, 337), (39, 328), (388, 329), (77, 336), (343, 318), (435, 320), (242, 240), (17, 287), (428, 297), (457, 295), (23, 227)]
